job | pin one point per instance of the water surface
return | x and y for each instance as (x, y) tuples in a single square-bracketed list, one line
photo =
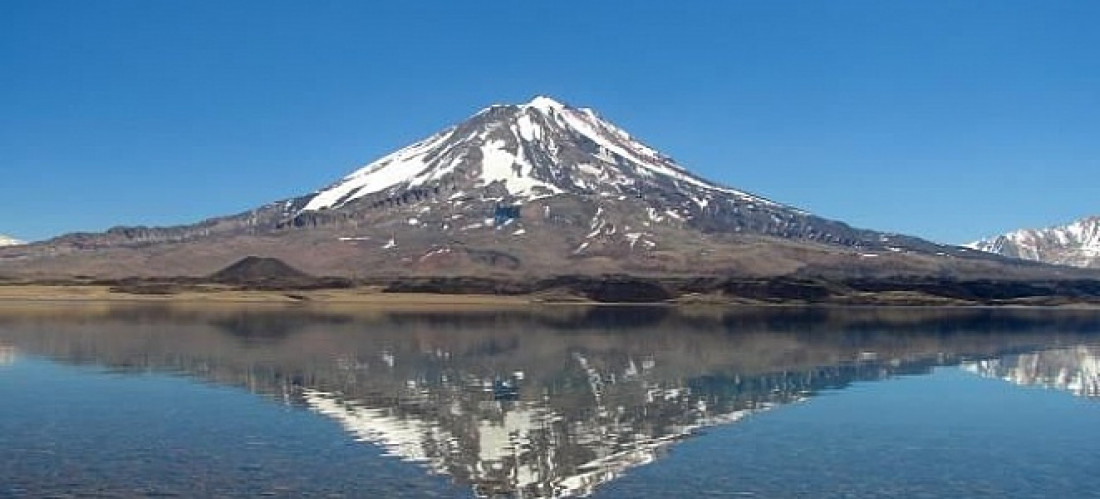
[(616, 402)]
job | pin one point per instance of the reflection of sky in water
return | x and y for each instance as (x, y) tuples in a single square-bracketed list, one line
[(947, 434), (68, 430), (523, 406)]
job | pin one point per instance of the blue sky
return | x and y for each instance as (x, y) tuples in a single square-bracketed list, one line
[(947, 120)]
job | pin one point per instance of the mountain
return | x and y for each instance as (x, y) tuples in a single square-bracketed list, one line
[(253, 268), (533, 151), (1076, 244), (513, 156), (540, 188), (10, 241)]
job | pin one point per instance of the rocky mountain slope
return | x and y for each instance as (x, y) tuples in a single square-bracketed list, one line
[(1076, 244), (540, 188)]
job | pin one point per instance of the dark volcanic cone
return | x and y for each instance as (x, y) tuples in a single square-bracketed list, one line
[(255, 269)]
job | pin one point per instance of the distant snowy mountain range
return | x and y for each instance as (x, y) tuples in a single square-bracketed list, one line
[(10, 241), (1076, 244)]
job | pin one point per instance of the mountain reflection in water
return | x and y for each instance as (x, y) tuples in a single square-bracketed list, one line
[(555, 402), (1074, 369)]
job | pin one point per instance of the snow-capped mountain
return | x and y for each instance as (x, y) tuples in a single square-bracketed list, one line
[(516, 154), (535, 188), (545, 159), (531, 150), (10, 241), (1076, 244)]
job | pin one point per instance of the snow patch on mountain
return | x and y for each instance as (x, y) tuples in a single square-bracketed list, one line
[(1076, 244), (394, 169), (513, 170), (10, 241)]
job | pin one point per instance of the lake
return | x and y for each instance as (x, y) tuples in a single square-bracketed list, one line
[(555, 401)]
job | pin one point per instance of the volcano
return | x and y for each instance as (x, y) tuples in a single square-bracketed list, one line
[(534, 189)]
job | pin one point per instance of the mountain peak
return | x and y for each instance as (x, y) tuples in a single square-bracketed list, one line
[(557, 149), (544, 103), (1076, 243)]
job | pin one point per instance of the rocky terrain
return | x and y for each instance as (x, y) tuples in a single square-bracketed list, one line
[(1076, 244), (279, 281), (516, 192)]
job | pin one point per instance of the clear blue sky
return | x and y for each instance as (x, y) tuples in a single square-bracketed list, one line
[(948, 120)]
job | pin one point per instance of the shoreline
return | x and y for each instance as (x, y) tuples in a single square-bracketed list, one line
[(378, 298), (37, 294)]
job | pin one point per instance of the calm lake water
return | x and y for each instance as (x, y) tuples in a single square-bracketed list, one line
[(608, 402)]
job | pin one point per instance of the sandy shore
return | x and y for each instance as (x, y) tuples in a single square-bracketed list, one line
[(373, 299), (19, 295)]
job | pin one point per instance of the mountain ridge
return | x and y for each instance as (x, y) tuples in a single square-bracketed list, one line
[(1074, 244)]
